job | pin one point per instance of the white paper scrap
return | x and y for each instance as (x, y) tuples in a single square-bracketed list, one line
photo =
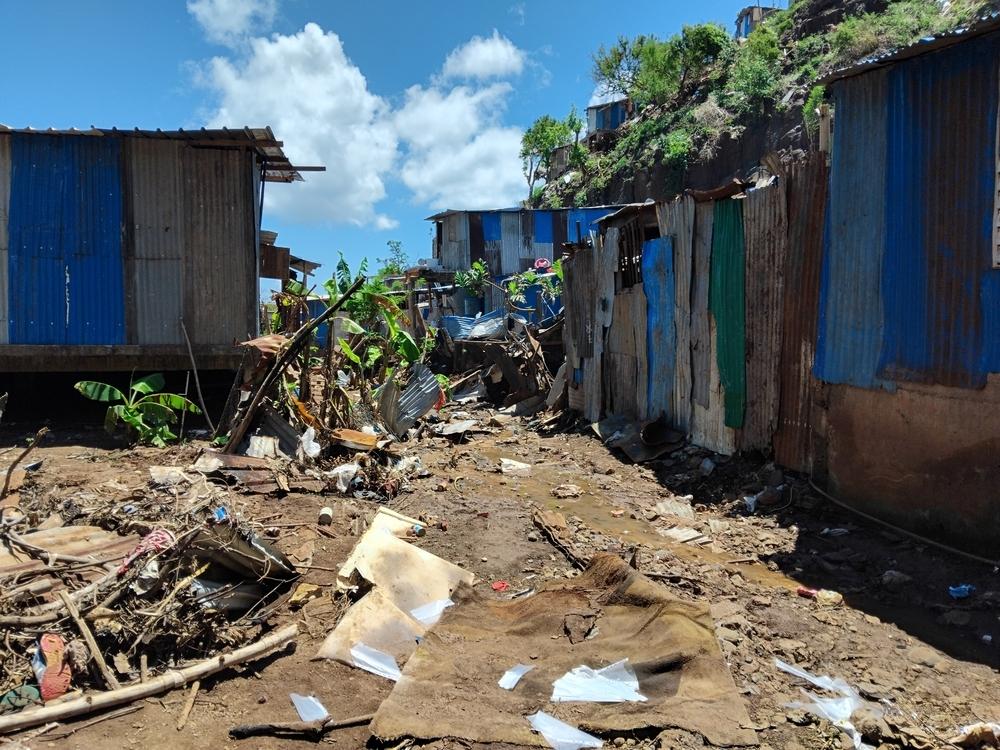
[(309, 707), (513, 675), (561, 735), (430, 613), (374, 661), (615, 683)]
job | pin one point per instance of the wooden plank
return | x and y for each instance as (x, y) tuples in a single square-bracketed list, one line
[(676, 220)]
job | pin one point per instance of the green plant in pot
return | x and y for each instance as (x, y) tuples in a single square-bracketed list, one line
[(474, 282)]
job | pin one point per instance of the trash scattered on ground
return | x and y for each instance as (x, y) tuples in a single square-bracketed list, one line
[(308, 707), (824, 597), (514, 468), (978, 735), (500, 586), (837, 710), (375, 661), (513, 675), (615, 683), (430, 613), (962, 591), (566, 491), (561, 735)]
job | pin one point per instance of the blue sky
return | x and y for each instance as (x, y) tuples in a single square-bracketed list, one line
[(412, 107)]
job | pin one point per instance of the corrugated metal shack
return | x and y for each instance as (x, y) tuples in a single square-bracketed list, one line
[(844, 318), (110, 238), (508, 240)]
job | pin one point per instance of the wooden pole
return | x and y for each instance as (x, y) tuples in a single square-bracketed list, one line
[(10, 469), (188, 704), (197, 380), (137, 691), (308, 728), (109, 677)]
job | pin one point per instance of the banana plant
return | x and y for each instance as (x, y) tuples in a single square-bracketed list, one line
[(146, 412)]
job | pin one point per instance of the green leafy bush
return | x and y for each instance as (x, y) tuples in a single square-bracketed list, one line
[(146, 412)]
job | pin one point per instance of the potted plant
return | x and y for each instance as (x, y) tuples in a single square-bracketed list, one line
[(473, 282)]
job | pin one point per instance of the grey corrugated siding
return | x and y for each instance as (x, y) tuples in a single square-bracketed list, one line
[(766, 231), (220, 299), (625, 360), (4, 256), (156, 194), (708, 416), (676, 219), (455, 242), (511, 242)]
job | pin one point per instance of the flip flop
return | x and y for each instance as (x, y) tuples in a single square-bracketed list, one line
[(53, 672), (19, 698)]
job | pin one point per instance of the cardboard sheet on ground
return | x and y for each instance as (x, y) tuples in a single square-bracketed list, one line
[(671, 644), (407, 575), (376, 622)]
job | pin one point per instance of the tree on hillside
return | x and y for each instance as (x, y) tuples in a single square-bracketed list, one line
[(539, 141), (616, 68)]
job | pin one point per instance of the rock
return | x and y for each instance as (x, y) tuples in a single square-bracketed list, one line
[(924, 656), (957, 617), (761, 601), (514, 468), (870, 723), (566, 490), (651, 515), (532, 536), (728, 634), (619, 742), (893, 580)]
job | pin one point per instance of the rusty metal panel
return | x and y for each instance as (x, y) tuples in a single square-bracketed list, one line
[(851, 311), (700, 330), (477, 246), (455, 254), (766, 231), (708, 423), (603, 293), (511, 242), (155, 198), (793, 441), (939, 288), (625, 356), (578, 285), (4, 206), (676, 219), (220, 297)]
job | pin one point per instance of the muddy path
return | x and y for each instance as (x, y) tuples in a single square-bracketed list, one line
[(900, 639)]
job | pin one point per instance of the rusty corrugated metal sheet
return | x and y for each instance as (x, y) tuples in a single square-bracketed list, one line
[(624, 362), (455, 255), (806, 210), (155, 261), (708, 414), (676, 219), (511, 242), (851, 311), (700, 330), (766, 231), (4, 205), (939, 288), (220, 298), (578, 285), (727, 303)]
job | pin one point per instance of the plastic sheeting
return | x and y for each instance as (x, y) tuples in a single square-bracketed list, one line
[(661, 341)]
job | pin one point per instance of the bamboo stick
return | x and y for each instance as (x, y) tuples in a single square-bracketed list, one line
[(308, 728), (137, 691), (109, 677), (188, 704)]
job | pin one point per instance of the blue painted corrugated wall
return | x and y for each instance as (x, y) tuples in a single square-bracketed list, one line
[(938, 286), (586, 218), (661, 336), (66, 276), (491, 226), (849, 338)]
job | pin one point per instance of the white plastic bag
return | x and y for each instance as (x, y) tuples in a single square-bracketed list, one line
[(836, 710), (615, 683), (308, 447), (513, 675), (374, 661), (309, 708), (561, 735), (430, 613)]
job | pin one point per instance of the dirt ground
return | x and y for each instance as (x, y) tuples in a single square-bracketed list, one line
[(899, 638)]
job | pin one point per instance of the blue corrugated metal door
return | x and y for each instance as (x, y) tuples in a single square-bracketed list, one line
[(658, 285), (66, 281)]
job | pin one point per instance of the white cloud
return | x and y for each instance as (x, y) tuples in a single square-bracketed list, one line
[(520, 10), (484, 57), (229, 22), (459, 154), (318, 103)]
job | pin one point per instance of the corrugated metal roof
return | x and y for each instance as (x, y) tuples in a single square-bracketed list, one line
[(850, 329), (806, 209), (156, 205), (983, 25), (661, 338), (4, 206), (940, 189), (65, 233), (727, 303), (766, 229), (260, 140), (510, 243), (676, 219)]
